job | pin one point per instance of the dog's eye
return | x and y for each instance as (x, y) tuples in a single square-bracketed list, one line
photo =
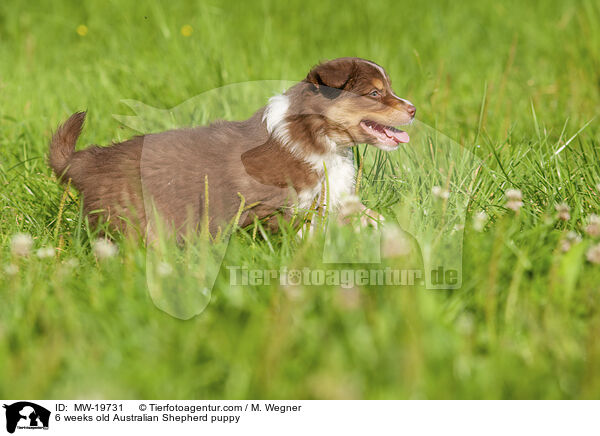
[(374, 93)]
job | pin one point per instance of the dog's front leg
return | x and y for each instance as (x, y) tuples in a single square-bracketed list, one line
[(370, 217), (352, 207)]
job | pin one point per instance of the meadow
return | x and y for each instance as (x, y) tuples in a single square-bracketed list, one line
[(505, 157)]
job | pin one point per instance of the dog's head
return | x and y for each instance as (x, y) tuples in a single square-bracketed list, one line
[(355, 99)]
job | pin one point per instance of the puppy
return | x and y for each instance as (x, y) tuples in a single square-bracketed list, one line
[(294, 151)]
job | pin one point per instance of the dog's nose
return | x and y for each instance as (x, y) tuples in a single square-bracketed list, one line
[(411, 110)]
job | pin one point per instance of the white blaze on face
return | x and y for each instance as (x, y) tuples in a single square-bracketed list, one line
[(382, 72), (404, 100)]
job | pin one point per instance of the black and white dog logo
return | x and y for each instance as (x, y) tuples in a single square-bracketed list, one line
[(26, 415)]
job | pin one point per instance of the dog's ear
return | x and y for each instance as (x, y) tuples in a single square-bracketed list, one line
[(335, 74)]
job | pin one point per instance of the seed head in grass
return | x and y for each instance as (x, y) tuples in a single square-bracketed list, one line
[(45, 252), (21, 244), (514, 199), (440, 192), (593, 254), (479, 221), (562, 210), (593, 226), (104, 249)]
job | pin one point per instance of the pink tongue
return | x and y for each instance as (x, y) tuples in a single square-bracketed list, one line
[(398, 135)]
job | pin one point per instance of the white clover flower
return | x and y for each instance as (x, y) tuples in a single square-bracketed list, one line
[(593, 226), (514, 199), (437, 191), (479, 221), (569, 240), (294, 293), (514, 195), (104, 249), (395, 243), (45, 252), (71, 263), (514, 205), (593, 254), (11, 269), (21, 244), (563, 211), (465, 324), (164, 269)]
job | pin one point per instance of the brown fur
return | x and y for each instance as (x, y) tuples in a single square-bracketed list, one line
[(167, 171)]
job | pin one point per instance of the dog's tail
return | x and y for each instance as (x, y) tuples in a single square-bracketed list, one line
[(62, 145)]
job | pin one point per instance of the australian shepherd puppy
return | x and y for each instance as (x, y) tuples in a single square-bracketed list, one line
[(279, 160)]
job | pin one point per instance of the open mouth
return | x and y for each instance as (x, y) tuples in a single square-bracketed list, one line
[(386, 135)]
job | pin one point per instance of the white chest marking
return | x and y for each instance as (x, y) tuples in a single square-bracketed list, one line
[(336, 184), (339, 164)]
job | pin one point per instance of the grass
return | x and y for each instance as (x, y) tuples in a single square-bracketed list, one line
[(509, 88)]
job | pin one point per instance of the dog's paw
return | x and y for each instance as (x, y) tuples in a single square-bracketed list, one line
[(369, 217), (352, 208)]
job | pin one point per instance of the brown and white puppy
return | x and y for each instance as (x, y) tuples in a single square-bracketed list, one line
[(277, 160)]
